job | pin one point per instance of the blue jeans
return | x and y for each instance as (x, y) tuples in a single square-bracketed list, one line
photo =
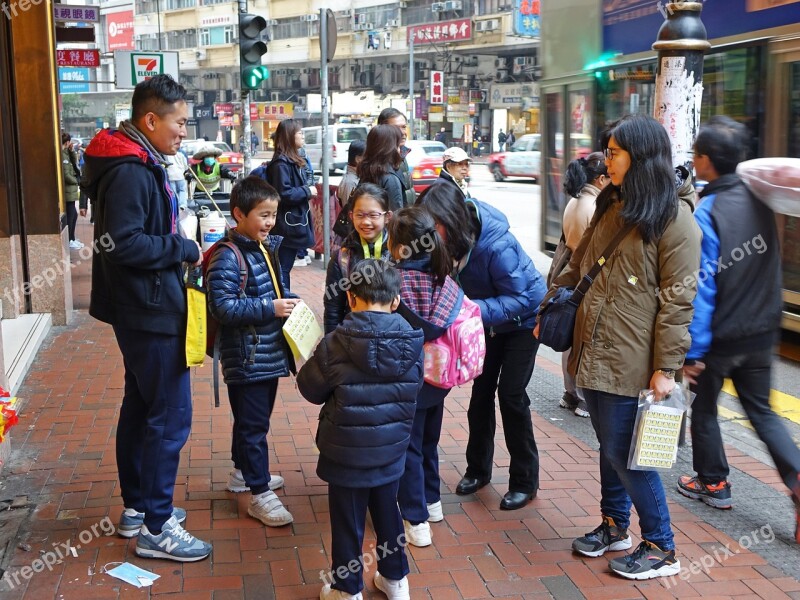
[(613, 418), (181, 191)]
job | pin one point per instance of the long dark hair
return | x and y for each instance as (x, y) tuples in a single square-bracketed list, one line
[(382, 153), (582, 171), (648, 193), (446, 204), (412, 225), (284, 142)]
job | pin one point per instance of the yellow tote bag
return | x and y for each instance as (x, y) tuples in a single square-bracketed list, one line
[(196, 325), (302, 331)]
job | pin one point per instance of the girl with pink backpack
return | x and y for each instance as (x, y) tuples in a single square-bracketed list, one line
[(454, 349)]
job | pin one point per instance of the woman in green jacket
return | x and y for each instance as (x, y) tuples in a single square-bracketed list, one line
[(71, 176)]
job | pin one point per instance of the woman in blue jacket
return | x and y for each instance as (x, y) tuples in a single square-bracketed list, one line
[(285, 173), (497, 274)]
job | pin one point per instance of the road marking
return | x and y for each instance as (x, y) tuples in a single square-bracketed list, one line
[(784, 405)]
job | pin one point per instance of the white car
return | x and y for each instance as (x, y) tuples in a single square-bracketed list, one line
[(523, 160)]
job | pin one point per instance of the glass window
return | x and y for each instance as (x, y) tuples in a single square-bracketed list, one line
[(580, 123), (350, 134), (205, 37), (217, 35), (553, 166), (790, 242), (311, 136)]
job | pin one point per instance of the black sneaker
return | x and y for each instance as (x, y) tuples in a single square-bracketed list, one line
[(568, 401), (717, 495), (646, 562), (606, 537)]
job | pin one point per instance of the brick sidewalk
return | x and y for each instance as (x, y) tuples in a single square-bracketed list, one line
[(64, 462)]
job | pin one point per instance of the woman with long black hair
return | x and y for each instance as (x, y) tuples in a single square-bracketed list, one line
[(382, 162), (285, 173), (496, 273), (629, 336)]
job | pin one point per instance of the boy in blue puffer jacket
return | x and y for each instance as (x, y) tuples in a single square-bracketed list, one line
[(366, 374), (253, 351)]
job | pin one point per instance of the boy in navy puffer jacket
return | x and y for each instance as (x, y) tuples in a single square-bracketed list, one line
[(366, 374), (253, 351)]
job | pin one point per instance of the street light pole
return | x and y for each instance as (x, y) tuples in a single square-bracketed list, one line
[(411, 88), (246, 126), (681, 45)]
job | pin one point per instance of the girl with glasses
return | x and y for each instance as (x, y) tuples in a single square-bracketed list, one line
[(369, 214)]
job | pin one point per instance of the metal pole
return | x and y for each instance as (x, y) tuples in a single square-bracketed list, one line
[(246, 128), (324, 162), (411, 88), (681, 44)]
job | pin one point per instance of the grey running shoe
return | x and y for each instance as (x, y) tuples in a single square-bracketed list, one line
[(568, 401), (646, 562), (605, 537), (131, 521), (173, 543), (717, 495)]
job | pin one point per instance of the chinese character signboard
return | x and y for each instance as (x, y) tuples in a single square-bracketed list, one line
[(439, 33), (514, 95), (526, 18), (120, 30), (273, 111), (78, 58), (437, 87), (72, 80), (72, 12)]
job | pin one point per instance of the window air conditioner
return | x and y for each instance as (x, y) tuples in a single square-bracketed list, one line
[(275, 96), (394, 23), (200, 54), (438, 7), (452, 5), (272, 22)]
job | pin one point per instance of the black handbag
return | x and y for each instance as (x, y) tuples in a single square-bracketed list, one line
[(557, 318)]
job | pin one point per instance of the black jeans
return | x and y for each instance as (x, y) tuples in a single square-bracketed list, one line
[(510, 358), (286, 257), (751, 375), (72, 219)]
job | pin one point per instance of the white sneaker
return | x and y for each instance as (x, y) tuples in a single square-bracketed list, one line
[(75, 245), (300, 262), (236, 482), (418, 535), (435, 513), (328, 593), (308, 259), (268, 509), (395, 589)]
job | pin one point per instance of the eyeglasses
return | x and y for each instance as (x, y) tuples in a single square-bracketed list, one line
[(372, 216), (610, 152)]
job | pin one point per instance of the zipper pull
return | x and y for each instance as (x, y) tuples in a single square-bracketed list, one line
[(491, 331)]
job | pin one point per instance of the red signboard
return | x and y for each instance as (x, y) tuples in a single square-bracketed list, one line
[(119, 26), (437, 87), (439, 33), (78, 58)]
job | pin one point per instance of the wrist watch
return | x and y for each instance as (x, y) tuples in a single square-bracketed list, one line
[(668, 373)]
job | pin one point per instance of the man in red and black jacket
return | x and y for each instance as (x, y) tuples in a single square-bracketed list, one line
[(137, 287)]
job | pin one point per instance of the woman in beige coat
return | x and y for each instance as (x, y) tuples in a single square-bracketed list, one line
[(629, 337)]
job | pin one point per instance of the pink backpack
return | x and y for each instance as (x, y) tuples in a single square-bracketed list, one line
[(457, 356)]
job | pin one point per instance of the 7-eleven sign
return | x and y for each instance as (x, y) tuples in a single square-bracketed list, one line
[(145, 66)]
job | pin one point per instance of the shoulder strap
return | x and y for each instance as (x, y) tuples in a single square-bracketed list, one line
[(588, 279), (241, 261), (344, 260)]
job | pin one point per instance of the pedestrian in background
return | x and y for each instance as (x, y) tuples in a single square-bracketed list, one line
[(626, 338), (583, 181), (138, 288), (441, 136), (737, 317), (392, 116), (286, 173), (176, 172), (501, 141), (498, 275), (253, 351), (382, 163), (71, 176), (366, 375)]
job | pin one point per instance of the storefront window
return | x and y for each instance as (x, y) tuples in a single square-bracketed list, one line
[(580, 124), (624, 91), (553, 166)]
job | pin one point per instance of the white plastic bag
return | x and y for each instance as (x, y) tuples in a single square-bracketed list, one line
[(775, 181), (654, 445)]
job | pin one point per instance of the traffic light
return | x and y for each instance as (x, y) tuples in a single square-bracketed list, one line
[(251, 49)]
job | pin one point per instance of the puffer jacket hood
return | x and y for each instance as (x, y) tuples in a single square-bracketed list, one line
[(367, 373), (109, 148)]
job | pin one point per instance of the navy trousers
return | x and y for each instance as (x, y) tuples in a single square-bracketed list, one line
[(154, 421), (286, 257), (419, 485), (252, 405), (348, 508)]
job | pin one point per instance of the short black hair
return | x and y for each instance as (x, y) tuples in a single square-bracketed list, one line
[(157, 95), (357, 148), (374, 281), (724, 141), (65, 137), (250, 192), (387, 114)]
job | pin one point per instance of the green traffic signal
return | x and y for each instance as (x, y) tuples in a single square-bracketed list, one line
[(251, 49)]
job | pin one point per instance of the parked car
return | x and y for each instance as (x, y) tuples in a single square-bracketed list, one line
[(232, 160), (523, 160), (424, 162), (339, 137)]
